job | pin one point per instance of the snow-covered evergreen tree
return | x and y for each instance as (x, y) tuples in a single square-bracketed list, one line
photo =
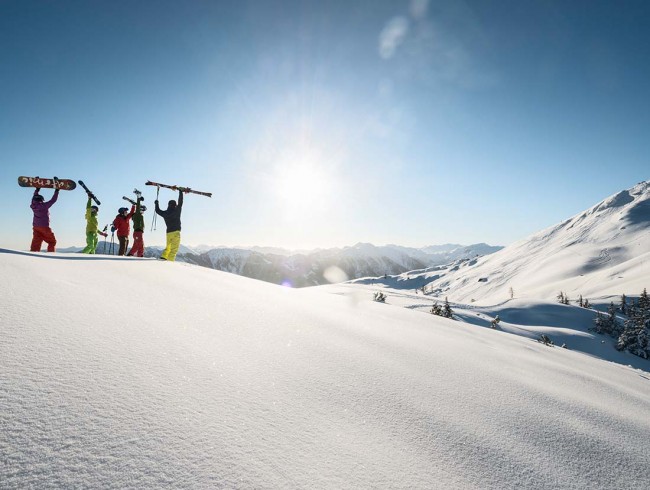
[(623, 306), (636, 332), (379, 297), (607, 325), (446, 310), (436, 309)]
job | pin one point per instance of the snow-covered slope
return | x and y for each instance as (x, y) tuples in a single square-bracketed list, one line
[(134, 373), (602, 251)]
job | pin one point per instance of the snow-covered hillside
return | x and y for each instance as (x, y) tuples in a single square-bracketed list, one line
[(604, 251), (135, 373)]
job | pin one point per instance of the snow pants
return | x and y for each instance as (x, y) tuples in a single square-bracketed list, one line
[(91, 243), (124, 244), (137, 250), (173, 242), (43, 234)]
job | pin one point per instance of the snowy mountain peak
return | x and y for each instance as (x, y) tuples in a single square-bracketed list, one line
[(604, 250)]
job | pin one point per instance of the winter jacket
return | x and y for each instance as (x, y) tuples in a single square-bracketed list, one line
[(138, 219), (91, 219), (121, 223), (42, 209), (172, 215)]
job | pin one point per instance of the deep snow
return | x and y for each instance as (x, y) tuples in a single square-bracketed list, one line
[(134, 373)]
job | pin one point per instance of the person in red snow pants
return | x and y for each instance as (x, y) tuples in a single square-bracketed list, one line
[(41, 223)]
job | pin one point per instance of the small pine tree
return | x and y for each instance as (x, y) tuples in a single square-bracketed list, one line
[(436, 309), (495, 322), (623, 306), (511, 292), (635, 335), (600, 324), (587, 304), (614, 326), (546, 340), (634, 339), (644, 301), (560, 297), (446, 310), (581, 303), (379, 297)]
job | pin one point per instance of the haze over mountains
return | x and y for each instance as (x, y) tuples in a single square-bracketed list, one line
[(307, 268)]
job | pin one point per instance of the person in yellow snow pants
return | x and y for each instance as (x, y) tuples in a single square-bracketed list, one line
[(173, 242), (172, 216)]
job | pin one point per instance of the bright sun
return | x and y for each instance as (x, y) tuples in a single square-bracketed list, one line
[(303, 185)]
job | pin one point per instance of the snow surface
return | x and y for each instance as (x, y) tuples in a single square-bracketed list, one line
[(600, 254), (135, 373)]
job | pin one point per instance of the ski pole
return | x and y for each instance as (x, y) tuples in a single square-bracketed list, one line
[(153, 221), (105, 235)]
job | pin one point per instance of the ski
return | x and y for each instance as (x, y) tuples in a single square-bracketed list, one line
[(90, 194), (179, 188), (129, 199), (61, 184)]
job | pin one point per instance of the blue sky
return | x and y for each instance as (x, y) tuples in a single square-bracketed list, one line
[(320, 124)]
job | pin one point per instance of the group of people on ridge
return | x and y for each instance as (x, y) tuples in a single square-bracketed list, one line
[(121, 226)]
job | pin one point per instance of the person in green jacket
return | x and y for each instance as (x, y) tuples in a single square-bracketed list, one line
[(92, 228), (137, 249)]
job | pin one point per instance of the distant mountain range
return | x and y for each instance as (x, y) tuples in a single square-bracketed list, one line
[(308, 268)]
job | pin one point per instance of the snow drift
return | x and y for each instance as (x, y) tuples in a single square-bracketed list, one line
[(120, 372)]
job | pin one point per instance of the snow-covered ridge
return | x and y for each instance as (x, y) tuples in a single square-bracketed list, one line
[(176, 376), (602, 251)]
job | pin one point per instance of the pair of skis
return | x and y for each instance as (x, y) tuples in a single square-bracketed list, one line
[(68, 185), (139, 197), (179, 188), (89, 192)]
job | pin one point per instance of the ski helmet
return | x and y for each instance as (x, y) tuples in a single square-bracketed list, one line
[(143, 208), (171, 204), (122, 211), (38, 198), (95, 208)]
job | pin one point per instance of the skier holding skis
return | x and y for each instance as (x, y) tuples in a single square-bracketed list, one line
[(92, 227), (123, 228), (172, 217), (137, 249), (41, 223)]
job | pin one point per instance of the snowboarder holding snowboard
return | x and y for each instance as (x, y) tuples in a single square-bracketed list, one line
[(137, 249), (92, 227), (172, 217), (41, 223), (123, 228)]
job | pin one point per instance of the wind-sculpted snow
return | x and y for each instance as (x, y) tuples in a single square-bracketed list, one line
[(143, 374)]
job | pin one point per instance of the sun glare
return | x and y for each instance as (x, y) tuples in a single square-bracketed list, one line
[(302, 185)]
